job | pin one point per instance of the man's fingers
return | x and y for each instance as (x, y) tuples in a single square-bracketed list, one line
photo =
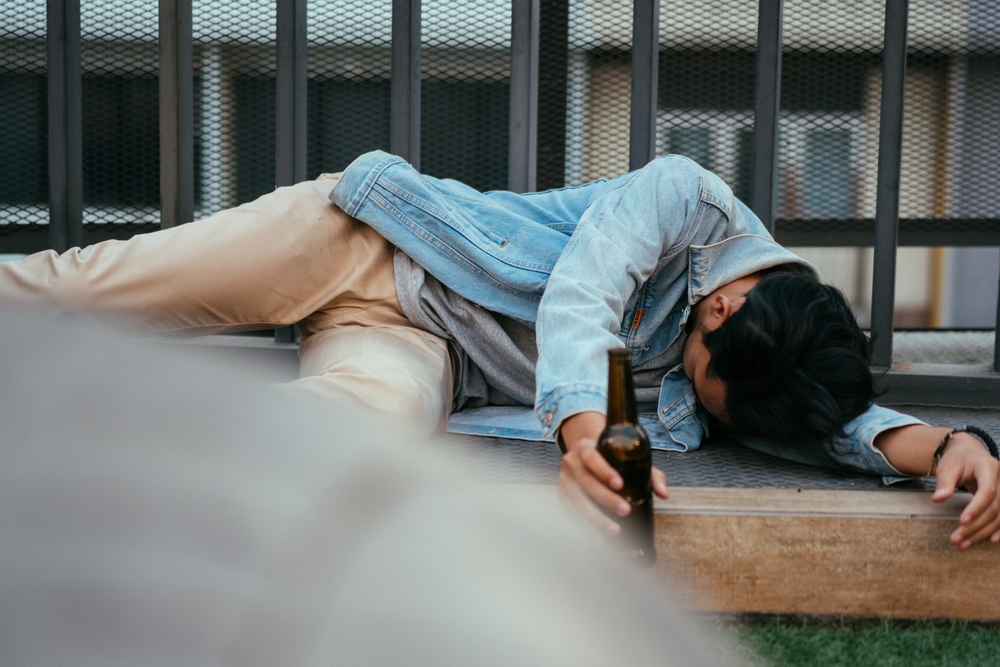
[(660, 483), (572, 494), (593, 486), (944, 489), (978, 525), (985, 479), (605, 496), (981, 534), (599, 467)]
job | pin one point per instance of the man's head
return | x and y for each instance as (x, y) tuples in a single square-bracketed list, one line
[(779, 356)]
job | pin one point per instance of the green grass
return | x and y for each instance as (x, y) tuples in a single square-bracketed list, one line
[(881, 643)]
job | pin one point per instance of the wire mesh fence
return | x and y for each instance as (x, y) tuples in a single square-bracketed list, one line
[(24, 169), (234, 56), (828, 125), (465, 91), (120, 67), (598, 89), (349, 96)]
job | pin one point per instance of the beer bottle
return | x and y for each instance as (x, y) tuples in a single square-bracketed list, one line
[(625, 445)]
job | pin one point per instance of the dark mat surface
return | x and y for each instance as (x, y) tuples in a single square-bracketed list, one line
[(718, 463)]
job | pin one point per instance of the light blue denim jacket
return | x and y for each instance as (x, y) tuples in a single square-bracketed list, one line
[(610, 264)]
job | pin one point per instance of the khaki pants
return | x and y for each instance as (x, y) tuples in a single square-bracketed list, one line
[(289, 257)]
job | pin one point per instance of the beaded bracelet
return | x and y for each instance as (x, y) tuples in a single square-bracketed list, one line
[(982, 435)]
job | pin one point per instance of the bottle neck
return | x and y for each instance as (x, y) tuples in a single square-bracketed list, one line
[(621, 393)]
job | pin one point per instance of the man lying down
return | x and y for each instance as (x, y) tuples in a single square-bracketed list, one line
[(418, 296)]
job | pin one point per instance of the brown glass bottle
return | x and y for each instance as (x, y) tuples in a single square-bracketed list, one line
[(625, 445)]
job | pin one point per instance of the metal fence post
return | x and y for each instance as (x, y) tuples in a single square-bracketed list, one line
[(176, 114), (996, 339), (65, 108), (291, 88), (523, 156), (404, 135), (553, 80), (645, 70), (890, 148), (766, 108)]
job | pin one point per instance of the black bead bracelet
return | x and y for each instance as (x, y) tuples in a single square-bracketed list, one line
[(982, 435)]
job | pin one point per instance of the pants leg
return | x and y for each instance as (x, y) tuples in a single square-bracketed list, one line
[(290, 256), (268, 263), (399, 374)]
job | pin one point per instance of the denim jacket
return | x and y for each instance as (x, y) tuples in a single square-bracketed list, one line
[(611, 264)]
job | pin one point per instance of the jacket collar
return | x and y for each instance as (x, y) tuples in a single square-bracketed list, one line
[(712, 266)]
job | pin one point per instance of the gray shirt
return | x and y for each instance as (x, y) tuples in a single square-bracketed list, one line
[(494, 355)]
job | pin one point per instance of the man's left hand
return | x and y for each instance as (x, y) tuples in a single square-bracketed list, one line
[(967, 463)]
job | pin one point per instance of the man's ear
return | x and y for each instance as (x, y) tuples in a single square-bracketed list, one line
[(720, 308)]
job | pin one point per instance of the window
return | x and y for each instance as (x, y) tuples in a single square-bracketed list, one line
[(23, 136), (826, 187), (693, 142)]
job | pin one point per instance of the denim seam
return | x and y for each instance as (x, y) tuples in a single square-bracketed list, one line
[(376, 199), (360, 194), (435, 212), (640, 305), (581, 388), (688, 233), (497, 240), (684, 413)]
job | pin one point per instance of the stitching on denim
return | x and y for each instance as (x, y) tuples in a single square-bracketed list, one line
[(443, 247), (683, 414), (434, 211), (360, 194), (442, 217)]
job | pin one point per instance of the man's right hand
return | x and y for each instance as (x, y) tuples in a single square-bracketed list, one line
[(587, 481)]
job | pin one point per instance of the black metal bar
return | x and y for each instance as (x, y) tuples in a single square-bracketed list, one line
[(553, 63), (176, 113), (404, 136), (944, 385), (291, 89), (996, 339), (859, 232), (522, 159), (766, 108), (65, 110), (291, 86), (890, 149), (645, 71)]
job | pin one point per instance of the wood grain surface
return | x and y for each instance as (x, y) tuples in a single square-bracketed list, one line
[(865, 553)]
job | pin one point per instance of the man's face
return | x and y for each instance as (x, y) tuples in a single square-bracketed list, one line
[(708, 389), (709, 314)]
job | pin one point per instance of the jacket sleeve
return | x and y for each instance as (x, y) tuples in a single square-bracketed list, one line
[(618, 243), (854, 450)]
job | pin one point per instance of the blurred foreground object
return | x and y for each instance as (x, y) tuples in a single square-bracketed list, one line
[(159, 508)]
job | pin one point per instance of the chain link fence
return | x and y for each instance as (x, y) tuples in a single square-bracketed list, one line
[(350, 46), (24, 172), (465, 91), (828, 127)]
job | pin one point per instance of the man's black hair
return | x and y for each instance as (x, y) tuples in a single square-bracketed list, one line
[(794, 360)]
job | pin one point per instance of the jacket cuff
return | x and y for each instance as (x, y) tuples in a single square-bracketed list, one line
[(359, 178), (566, 401)]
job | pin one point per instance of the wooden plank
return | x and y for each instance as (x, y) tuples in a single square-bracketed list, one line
[(858, 553), (852, 553)]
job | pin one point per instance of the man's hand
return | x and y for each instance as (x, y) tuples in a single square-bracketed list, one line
[(586, 480), (967, 463)]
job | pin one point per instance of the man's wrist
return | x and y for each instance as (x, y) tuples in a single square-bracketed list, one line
[(578, 427), (966, 443)]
